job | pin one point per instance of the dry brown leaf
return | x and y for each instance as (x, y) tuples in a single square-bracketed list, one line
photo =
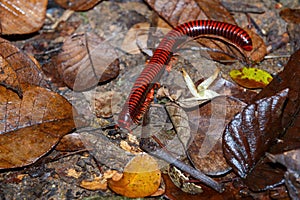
[(205, 151), (31, 126), (141, 178), (22, 16), (18, 69), (77, 5), (70, 142), (86, 60)]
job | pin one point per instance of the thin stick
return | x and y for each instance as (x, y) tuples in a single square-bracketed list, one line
[(161, 154)]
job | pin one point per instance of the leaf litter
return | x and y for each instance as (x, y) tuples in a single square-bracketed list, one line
[(289, 138)]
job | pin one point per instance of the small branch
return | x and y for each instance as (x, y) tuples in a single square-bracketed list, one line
[(161, 154)]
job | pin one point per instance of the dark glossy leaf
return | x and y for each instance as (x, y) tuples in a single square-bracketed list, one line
[(252, 132), (290, 126), (288, 78)]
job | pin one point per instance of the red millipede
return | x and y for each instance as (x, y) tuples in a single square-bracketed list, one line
[(139, 98)]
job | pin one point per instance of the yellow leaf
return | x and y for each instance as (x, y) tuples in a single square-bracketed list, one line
[(251, 77), (141, 178)]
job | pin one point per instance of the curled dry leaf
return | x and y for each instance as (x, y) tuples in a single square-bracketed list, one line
[(252, 132), (22, 16), (18, 69), (141, 178), (31, 126), (86, 60), (178, 12), (77, 5)]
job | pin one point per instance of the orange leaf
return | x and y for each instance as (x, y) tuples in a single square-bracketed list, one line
[(141, 178)]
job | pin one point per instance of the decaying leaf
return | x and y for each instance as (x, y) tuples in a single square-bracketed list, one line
[(183, 11), (17, 69), (251, 77), (22, 16), (208, 122), (77, 5), (103, 104), (141, 177), (87, 60), (31, 126), (252, 132)]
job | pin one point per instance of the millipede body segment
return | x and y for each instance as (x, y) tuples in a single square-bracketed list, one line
[(138, 100)]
